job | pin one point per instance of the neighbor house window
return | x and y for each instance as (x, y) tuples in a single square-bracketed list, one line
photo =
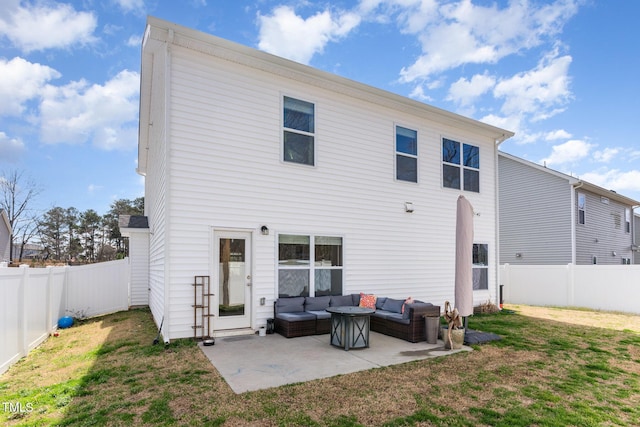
[(299, 131), (627, 220), (480, 267), (306, 272), (460, 166), (406, 154), (582, 201)]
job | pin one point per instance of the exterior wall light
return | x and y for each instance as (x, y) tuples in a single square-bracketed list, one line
[(408, 207), (264, 230)]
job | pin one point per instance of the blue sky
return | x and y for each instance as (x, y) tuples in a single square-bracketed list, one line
[(561, 74)]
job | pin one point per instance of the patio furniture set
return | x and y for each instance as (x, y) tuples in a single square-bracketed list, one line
[(404, 319)]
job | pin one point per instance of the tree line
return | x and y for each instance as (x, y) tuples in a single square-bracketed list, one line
[(62, 234)]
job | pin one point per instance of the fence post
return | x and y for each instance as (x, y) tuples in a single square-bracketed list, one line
[(49, 300), (23, 344)]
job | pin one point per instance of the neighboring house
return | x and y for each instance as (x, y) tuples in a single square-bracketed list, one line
[(5, 237), (273, 178), (547, 217), (29, 252)]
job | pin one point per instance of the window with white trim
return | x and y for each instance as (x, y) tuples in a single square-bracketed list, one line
[(627, 220), (306, 272), (299, 131), (480, 266), (460, 165), (406, 154), (582, 204)]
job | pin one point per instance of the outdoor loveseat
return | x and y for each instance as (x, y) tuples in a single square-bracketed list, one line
[(299, 316)]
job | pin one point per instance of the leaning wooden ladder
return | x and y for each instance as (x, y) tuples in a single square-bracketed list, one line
[(202, 307)]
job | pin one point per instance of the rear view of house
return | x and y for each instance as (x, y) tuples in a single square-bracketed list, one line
[(547, 217), (268, 178)]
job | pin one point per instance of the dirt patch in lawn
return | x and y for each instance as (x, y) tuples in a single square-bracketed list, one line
[(597, 319)]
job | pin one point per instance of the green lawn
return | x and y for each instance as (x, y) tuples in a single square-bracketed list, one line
[(549, 370)]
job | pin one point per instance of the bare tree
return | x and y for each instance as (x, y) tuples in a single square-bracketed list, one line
[(17, 193)]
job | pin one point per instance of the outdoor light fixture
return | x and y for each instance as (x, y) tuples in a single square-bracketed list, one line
[(264, 230), (408, 207)]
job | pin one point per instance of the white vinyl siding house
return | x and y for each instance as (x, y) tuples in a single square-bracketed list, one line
[(213, 149), (547, 217)]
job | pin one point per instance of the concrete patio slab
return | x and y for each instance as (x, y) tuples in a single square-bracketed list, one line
[(251, 362)]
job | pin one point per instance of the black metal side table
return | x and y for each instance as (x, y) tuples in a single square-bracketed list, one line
[(350, 326)]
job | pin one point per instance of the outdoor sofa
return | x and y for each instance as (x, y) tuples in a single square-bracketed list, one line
[(300, 316)]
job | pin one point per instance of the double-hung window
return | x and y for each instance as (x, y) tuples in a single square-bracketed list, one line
[(627, 220), (299, 131), (480, 267), (309, 265), (460, 165), (582, 202), (406, 154)]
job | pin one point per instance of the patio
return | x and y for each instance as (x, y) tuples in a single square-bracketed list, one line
[(251, 362)]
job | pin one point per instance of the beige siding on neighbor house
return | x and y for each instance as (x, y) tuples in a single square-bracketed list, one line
[(535, 215), (221, 169)]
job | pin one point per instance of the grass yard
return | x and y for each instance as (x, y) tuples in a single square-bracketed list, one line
[(555, 367)]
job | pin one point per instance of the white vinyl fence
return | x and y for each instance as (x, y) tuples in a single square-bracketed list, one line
[(33, 299), (599, 287)]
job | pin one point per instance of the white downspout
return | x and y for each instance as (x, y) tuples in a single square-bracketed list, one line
[(574, 244)]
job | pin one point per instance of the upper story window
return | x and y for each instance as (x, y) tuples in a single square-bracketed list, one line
[(299, 131), (406, 154), (582, 202), (460, 165), (627, 220)]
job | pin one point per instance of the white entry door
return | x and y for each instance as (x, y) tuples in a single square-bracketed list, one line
[(233, 281)]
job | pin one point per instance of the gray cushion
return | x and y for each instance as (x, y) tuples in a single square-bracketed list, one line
[(380, 302), (394, 305), (355, 299), (320, 314), (290, 305), (296, 317), (341, 301), (316, 303)]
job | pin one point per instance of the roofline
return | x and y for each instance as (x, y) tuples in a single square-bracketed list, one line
[(576, 182), (160, 32)]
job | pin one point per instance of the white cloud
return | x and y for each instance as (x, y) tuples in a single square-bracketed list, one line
[(10, 148), (606, 155), (21, 81), (134, 41), (131, 5), (465, 91), (570, 152), (615, 179), (557, 134), (286, 34), (104, 114), (42, 25), (537, 91), (457, 33)]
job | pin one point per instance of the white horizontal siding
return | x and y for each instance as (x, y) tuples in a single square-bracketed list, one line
[(225, 171)]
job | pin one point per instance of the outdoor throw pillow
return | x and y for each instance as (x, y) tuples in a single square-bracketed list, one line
[(407, 301), (367, 301)]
